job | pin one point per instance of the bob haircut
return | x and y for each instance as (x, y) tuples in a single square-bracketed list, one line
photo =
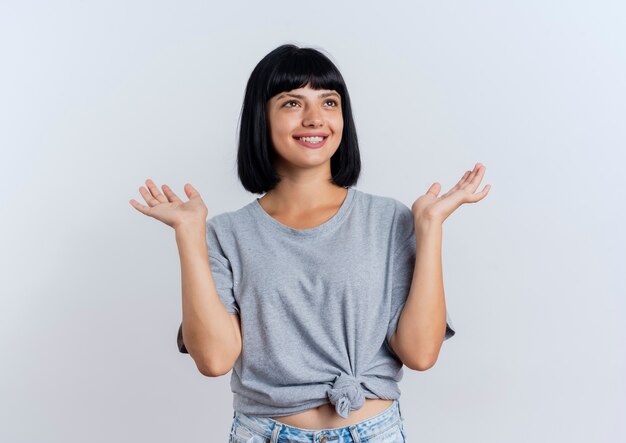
[(286, 68)]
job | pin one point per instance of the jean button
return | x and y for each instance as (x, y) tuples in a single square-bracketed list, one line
[(323, 438)]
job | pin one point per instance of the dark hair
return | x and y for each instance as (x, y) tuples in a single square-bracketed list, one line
[(283, 69)]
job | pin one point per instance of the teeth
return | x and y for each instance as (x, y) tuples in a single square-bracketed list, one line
[(312, 139)]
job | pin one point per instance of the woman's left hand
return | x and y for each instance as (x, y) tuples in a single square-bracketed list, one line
[(430, 207)]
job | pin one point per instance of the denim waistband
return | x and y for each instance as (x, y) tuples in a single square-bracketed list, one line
[(363, 430)]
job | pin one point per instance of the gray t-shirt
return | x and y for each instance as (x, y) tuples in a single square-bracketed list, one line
[(317, 306)]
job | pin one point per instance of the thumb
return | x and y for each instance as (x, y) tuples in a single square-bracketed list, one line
[(190, 191), (434, 189)]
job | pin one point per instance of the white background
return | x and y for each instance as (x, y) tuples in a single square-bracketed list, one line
[(98, 96)]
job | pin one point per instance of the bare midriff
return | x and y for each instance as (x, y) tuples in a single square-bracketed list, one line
[(325, 416)]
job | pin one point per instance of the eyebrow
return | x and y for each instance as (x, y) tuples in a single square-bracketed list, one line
[(322, 95)]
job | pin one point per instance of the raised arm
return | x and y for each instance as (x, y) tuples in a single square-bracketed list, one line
[(212, 336)]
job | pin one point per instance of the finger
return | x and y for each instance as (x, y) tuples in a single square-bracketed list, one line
[(171, 196), (155, 191), (478, 177), (138, 206), (473, 173), (475, 177), (191, 191), (458, 184), (147, 196), (464, 179), (434, 189), (479, 196)]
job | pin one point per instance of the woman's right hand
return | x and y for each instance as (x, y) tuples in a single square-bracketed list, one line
[(170, 209)]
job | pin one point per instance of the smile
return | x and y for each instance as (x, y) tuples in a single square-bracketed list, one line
[(311, 142)]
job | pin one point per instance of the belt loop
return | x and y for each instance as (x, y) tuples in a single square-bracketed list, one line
[(355, 434), (275, 432), (400, 411)]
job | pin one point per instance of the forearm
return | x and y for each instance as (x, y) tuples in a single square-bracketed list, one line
[(208, 331), (422, 323)]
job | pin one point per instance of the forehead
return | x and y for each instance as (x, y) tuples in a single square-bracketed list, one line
[(307, 92)]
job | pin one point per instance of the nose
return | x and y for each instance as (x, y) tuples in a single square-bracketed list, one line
[(313, 118)]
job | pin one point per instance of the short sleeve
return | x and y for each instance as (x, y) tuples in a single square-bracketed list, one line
[(402, 267), (222, 276)]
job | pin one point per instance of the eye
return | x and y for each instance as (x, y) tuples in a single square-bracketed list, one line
[(290, 101), (333, 101)]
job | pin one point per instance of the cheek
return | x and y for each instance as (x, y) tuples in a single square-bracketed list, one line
[(275, 132), (337, 124), (284, 125), (281, 129)]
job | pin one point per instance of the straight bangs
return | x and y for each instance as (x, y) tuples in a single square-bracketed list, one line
[(301, 69)]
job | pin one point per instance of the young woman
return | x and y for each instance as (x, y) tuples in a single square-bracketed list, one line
[(316, 294)]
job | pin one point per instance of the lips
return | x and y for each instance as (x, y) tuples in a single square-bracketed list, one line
[(311, 145), (311, 135)]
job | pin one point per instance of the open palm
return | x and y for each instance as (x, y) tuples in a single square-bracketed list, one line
[(168, 207), (430, 206)]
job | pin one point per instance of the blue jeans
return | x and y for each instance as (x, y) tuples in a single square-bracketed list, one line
[(386, 427)]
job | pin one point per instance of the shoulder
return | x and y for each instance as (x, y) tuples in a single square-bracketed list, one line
[(393, 216), (228, 220), (221, 228), (382, 205)]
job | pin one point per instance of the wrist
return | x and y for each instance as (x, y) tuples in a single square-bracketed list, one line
[(190, 227), (427, 224)]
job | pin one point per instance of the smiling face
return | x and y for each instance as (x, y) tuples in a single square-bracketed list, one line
[(305, 112)]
